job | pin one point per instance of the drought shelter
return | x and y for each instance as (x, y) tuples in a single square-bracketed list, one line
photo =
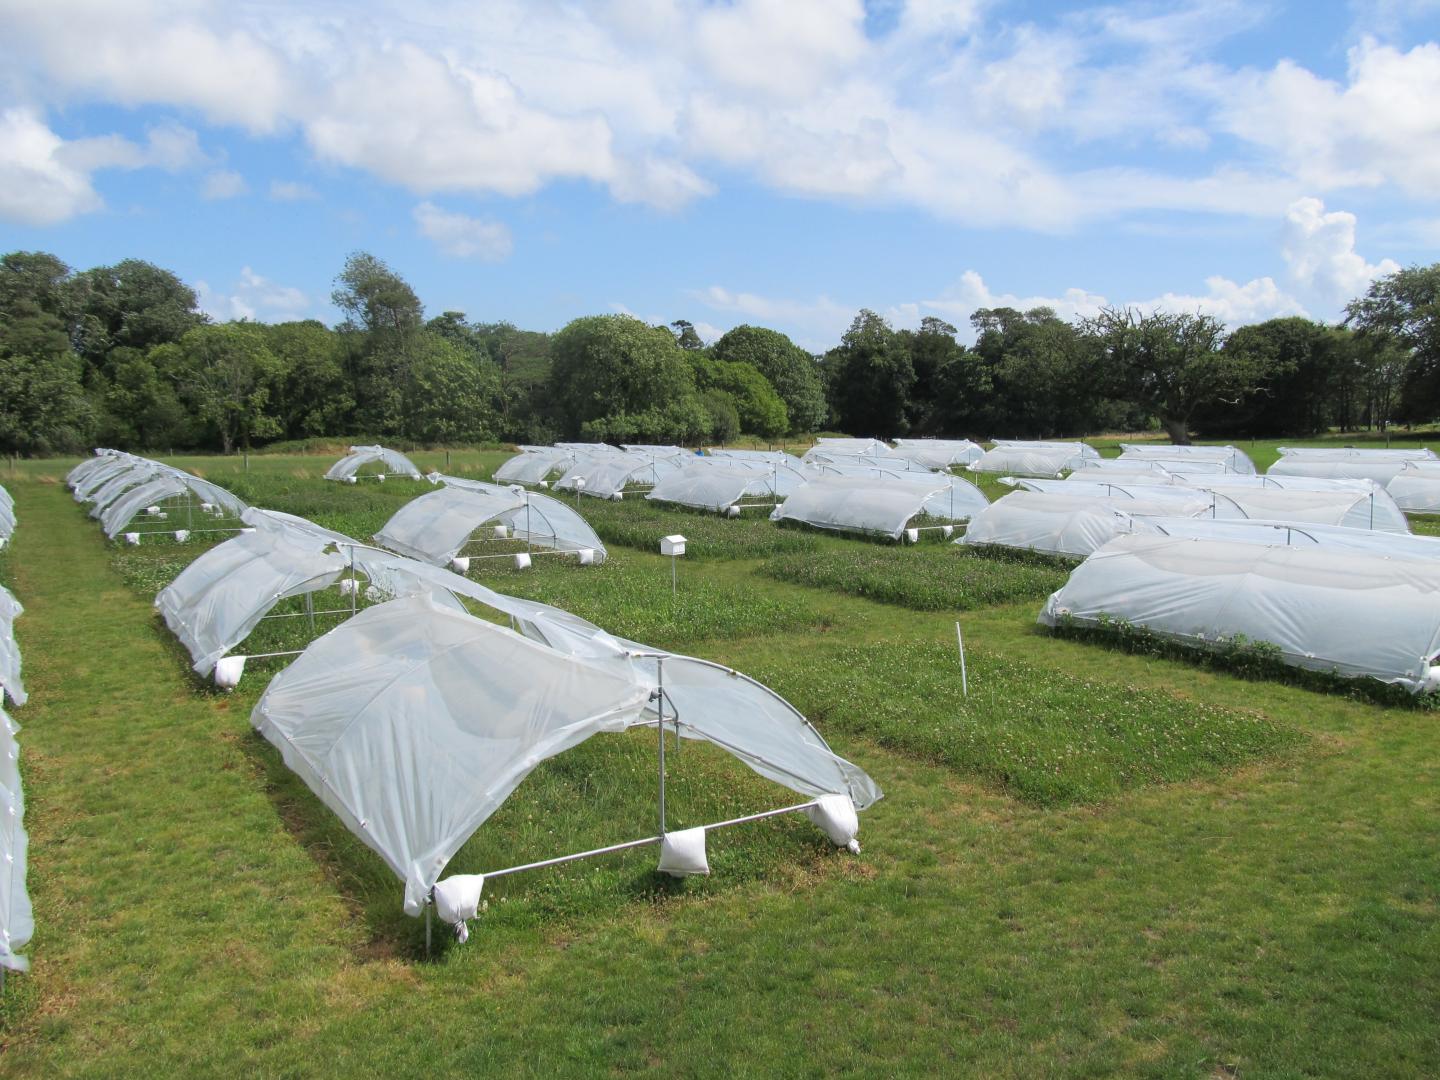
[(838, 445), (166, 492), (1230, 459), (938, 453), (607, 475), (1353, 613), (17, 918), (1416, 487), (11, 686), (390, 462), (1259, 531), (1022, 460), (883, 506), (1057, 524), (414, 722), (437, 527), (721, 488), (1345, 463), (533, 465)]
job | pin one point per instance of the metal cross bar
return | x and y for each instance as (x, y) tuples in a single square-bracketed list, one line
[(641, 843)]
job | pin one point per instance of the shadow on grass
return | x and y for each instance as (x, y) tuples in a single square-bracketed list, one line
[(1255, 661)]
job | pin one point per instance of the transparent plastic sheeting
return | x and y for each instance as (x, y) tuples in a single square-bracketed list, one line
[(1357, 506), (889, 462), (220, 597), (414, 722), (1229, 458), (1416, 487), (1256, 531), (1348, 463), (1106, 488), (938, 453), (166, 485), (1350, 612), (394, 463), (7, 516), (777, 456), (717, 487), (885, 506), (10, 681), (436, 526), (1023, 461), (1357, 453), (605, 476), (17, 919), (532, 466), (656, 451), (1065, 524), (861, 447)]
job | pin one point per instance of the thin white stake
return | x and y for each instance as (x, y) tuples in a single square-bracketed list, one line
[(964, 678)]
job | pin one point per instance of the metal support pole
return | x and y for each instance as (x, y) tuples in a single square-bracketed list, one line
[(428, 909), (660, 729), (353, 585), (310, 610), (673, 575)]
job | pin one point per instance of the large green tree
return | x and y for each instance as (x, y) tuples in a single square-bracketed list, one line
[(381, 336), (133, 304), (1404, 308), (314, 396), (613, 377), (1169, 364), (452, 394), (43, 407), (871, 379), (227, 377), (790, 369)]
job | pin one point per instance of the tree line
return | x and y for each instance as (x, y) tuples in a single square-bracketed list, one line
[(122, 356)]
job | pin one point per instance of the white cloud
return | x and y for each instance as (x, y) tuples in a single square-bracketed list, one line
[(1319, 248), (1231, 303), (1381, 127), (223, 184), (253, 297), (38, 186), (815, 324), (291, 191), (957, 303), (45, 179), (462, 236), (958, 110), (665, 184), (152, 52)]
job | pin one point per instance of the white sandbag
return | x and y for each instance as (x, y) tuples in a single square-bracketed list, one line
[(228, 670), (683, 853), (457, 900), (835, 816)]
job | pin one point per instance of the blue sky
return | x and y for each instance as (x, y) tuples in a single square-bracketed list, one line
[(784, 162)]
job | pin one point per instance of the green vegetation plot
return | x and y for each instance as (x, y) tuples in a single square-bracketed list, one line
[(928, 578), (1043, 734)]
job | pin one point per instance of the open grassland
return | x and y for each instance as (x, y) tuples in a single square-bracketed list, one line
[(1097, 863)]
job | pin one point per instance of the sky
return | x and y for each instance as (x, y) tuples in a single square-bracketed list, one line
[(776, 162)]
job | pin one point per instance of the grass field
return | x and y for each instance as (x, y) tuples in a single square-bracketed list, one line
[(1096, 863)]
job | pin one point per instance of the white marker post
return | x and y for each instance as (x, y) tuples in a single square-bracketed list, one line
[(674, 546), (964, 679)]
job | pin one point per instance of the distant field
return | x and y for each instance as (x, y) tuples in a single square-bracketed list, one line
[(1095, 863)]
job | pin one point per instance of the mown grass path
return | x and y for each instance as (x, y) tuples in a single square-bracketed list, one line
[(1279, 920)]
